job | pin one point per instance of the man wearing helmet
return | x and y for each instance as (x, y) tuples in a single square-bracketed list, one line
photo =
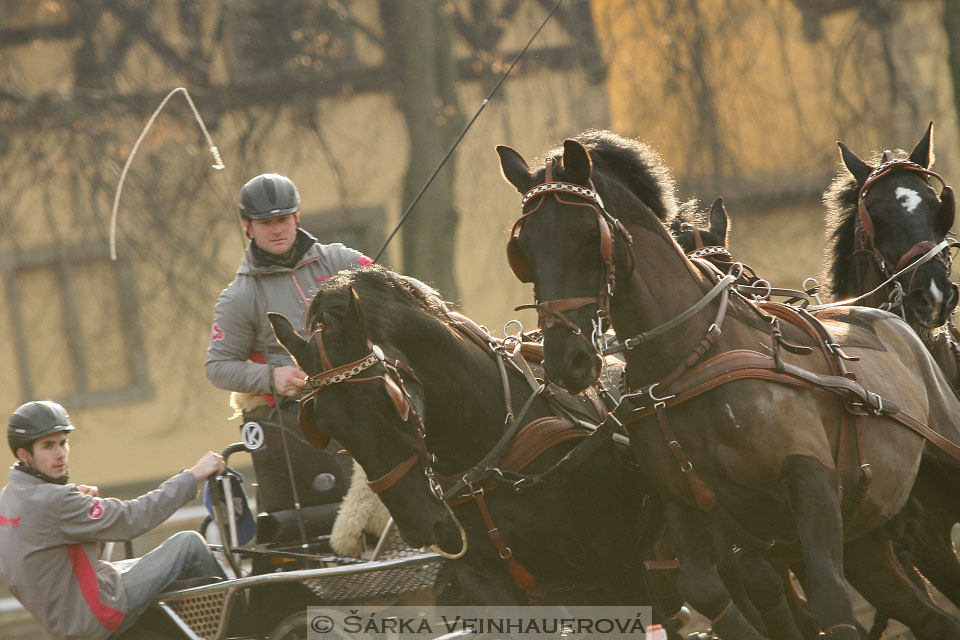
[(51, 532), (281, 267)]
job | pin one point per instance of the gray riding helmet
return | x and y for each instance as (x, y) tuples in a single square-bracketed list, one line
[(267, 196), (35, 420)]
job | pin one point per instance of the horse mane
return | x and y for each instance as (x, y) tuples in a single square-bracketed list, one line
[(840, 199), (631, 163), (389, 293)]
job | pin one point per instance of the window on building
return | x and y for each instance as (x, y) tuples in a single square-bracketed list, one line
[(73, 326)]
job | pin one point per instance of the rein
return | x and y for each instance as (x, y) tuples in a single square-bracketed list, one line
[(933, 253)]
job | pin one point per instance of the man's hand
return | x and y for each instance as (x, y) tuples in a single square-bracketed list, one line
[(88, 491), (210, 463), (289, 380)]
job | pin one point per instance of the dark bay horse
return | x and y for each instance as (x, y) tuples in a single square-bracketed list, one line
[(926, 543), (432, 408), (747, 439)]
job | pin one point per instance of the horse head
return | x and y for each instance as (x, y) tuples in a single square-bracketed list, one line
[(692, 237), (574, 252), (365, 397), (899, 218)]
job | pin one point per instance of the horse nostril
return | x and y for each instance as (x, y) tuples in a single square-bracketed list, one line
[(581, 365)]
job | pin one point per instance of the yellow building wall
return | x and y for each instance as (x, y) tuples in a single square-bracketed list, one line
[(778, 102), (363, 166)]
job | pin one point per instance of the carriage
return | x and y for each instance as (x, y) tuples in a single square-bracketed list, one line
[(278, 579)]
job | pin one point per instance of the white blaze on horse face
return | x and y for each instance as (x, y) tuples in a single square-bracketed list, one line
[(908, 198)]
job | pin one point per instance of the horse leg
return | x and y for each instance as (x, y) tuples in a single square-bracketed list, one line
[(934, 555), (812, 493), (766, 590), (698, 580), (933, 552), (732, 574), (790, 577), (874, 571)]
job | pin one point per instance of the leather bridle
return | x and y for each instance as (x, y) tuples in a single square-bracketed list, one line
[(865, 233), (392, 381), (551, 312)]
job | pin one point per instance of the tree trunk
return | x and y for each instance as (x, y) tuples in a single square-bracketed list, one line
[(426, 94), (951, 24)]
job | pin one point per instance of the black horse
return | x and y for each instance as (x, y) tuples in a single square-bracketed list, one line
[(883, 217), (748, 438), (430, 411)]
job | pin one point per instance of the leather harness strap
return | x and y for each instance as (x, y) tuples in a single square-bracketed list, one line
[(521, 576), (741, 364), (534, 439), (388, 479)]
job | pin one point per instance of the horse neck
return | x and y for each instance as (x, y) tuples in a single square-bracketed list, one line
[(464, 408), (663, 285)]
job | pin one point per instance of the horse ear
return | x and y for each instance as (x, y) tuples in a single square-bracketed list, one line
[(718, 220), (922, 154), (287, 336), (854, 164), (577, 162), (354, 325), (514, 168)]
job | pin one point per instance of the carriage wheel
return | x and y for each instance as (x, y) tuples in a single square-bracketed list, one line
[(294, 627)]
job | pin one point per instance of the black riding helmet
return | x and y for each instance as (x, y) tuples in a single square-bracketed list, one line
[(267, 196), (35, 420)]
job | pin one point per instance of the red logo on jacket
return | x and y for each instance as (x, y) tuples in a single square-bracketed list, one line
[(10, 522), (216, 333), (96, 509)]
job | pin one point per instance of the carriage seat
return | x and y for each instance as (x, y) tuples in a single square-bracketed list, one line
[(318, 475), (284, 526)]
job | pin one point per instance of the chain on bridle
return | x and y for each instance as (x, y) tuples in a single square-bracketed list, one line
[(551, 312), (865, 233)]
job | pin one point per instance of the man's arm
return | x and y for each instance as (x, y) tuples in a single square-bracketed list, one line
[(232, 339), (88, 518)]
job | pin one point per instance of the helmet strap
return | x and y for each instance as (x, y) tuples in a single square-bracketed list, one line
[(30, 471)]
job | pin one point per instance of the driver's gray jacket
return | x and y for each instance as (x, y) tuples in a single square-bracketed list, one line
[(242, 346), (50, 539)]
